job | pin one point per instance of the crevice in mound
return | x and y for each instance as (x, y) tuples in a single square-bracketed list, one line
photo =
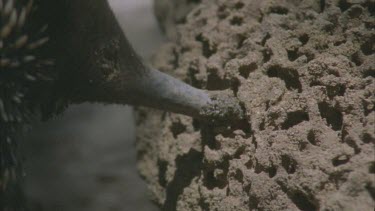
[(369, 73), (371, 190), (289, 164), (346, 138), (265, 38), (311, 137), (344, 5), (339, 42), (207, 49), (302, 145), (371, 168), (235, 84), (322, 4), (292, 55), (367, 47), (254, 142), (162, 169), (196, 125), (357, 59), (243, 125), (245, 70), (371, 7), (194, 1), (339, 177), (272, 171), (253, 202), (188, 166), (300, 199), (294, 118), (366, 138), (355, 12), (214, 82), (208, 138), (279, 10), (340, 160), (240, 151), (193, 80), (338, 90), (177, 128), (239, 5), (241, 38), (258, 168), (267, 53), (219, 179), (239, 176), (221, 12), (332, 115), (203, 204), (236, 21), (288, 75), (304, 39), (176, 57)]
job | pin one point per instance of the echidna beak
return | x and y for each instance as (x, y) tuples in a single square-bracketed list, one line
[(159, 90)]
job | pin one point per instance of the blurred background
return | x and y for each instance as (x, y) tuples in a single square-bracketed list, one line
[(85, 159)]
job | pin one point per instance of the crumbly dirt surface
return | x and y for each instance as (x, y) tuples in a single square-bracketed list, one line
[(303, 72)]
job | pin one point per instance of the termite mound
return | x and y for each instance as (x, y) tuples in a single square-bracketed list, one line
[(304, 74)]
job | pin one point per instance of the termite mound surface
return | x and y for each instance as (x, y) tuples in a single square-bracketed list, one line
[(303, 73)]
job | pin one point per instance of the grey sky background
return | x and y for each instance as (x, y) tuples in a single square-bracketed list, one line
[(84, 160)]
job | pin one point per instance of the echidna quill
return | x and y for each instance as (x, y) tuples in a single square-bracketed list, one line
[(58, 52)]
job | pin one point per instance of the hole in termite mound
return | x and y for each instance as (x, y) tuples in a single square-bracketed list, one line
[(304, 39), (369, 73), (236, 21), (357, 59), (289, 164), (208, 49), (235, 85), (293, 55), (340, 160), (332, 115), (368, 47), (344, 5), (288, 75), (162, 167), (294, 118), (194, 1), (301, 199), (214, 82), (279, 10), (245, 70), (177, 128), (371, 190), (322, 5), (371, 168), (312, 138), (265, 38), (217, 178), (239, 5), (267, 54), (240, 38), (272, 171)]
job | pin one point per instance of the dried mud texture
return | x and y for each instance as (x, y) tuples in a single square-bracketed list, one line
[(304, 74)]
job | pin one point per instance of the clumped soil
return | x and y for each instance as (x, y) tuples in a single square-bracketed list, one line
[(304, 74)]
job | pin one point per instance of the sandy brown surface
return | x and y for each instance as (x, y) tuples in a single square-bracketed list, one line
[(304, 73)]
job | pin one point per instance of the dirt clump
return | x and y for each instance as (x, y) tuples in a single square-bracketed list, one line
[(303, 72)]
